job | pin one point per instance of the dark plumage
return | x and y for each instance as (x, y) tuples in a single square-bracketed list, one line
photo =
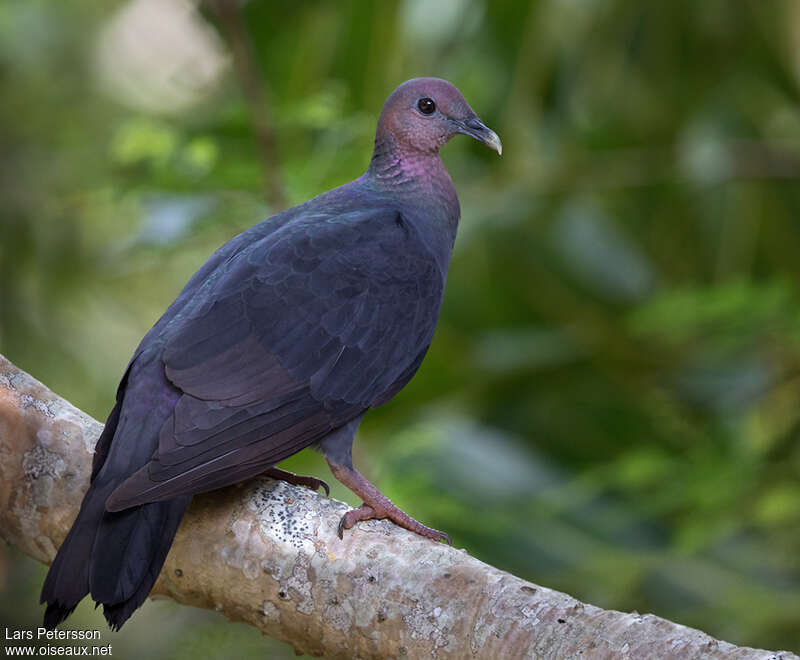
[(283, 339)]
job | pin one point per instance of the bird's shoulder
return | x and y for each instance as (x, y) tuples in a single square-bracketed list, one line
[(324, 252), (370, 232)]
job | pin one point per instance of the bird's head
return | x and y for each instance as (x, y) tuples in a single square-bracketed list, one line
[(424, 113)]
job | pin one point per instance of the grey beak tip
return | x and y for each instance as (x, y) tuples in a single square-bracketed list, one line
[(493, 142)]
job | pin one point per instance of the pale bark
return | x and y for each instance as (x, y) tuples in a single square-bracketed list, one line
[(267, 554)]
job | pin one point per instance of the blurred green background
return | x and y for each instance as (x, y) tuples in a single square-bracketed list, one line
[(611, 405)]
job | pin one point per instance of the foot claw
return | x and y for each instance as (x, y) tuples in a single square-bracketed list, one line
[(433, 534), (366, 512), (299, 480), (377, 505), (312, 483)]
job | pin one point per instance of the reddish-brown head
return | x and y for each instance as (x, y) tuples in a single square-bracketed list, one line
[(424, 113)]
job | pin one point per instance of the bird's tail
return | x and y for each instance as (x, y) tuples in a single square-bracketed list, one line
[(114, 556)]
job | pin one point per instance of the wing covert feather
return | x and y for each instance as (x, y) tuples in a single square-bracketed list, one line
[(323, 299)]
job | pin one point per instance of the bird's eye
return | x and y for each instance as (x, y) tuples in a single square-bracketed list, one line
[(426, 106)]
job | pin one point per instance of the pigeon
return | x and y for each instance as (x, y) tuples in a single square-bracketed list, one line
[(282, 340)]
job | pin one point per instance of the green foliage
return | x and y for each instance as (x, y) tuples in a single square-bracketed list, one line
[(611, 405)]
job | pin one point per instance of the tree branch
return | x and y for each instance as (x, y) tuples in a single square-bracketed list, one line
[(267, 554)]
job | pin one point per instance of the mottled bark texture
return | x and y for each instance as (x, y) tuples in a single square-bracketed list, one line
[(267, 554)]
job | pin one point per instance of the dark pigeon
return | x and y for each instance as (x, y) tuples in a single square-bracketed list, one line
[(284, 338)]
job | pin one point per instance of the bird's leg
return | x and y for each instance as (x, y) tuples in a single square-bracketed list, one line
[(376, 505), (298, 480)]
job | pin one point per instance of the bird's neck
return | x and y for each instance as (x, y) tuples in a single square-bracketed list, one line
[(421, 185), (404, 168)]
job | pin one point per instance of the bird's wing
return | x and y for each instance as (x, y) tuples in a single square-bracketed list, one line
[(292, 337)]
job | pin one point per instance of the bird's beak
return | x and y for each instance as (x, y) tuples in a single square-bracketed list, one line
[(475, 128)]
